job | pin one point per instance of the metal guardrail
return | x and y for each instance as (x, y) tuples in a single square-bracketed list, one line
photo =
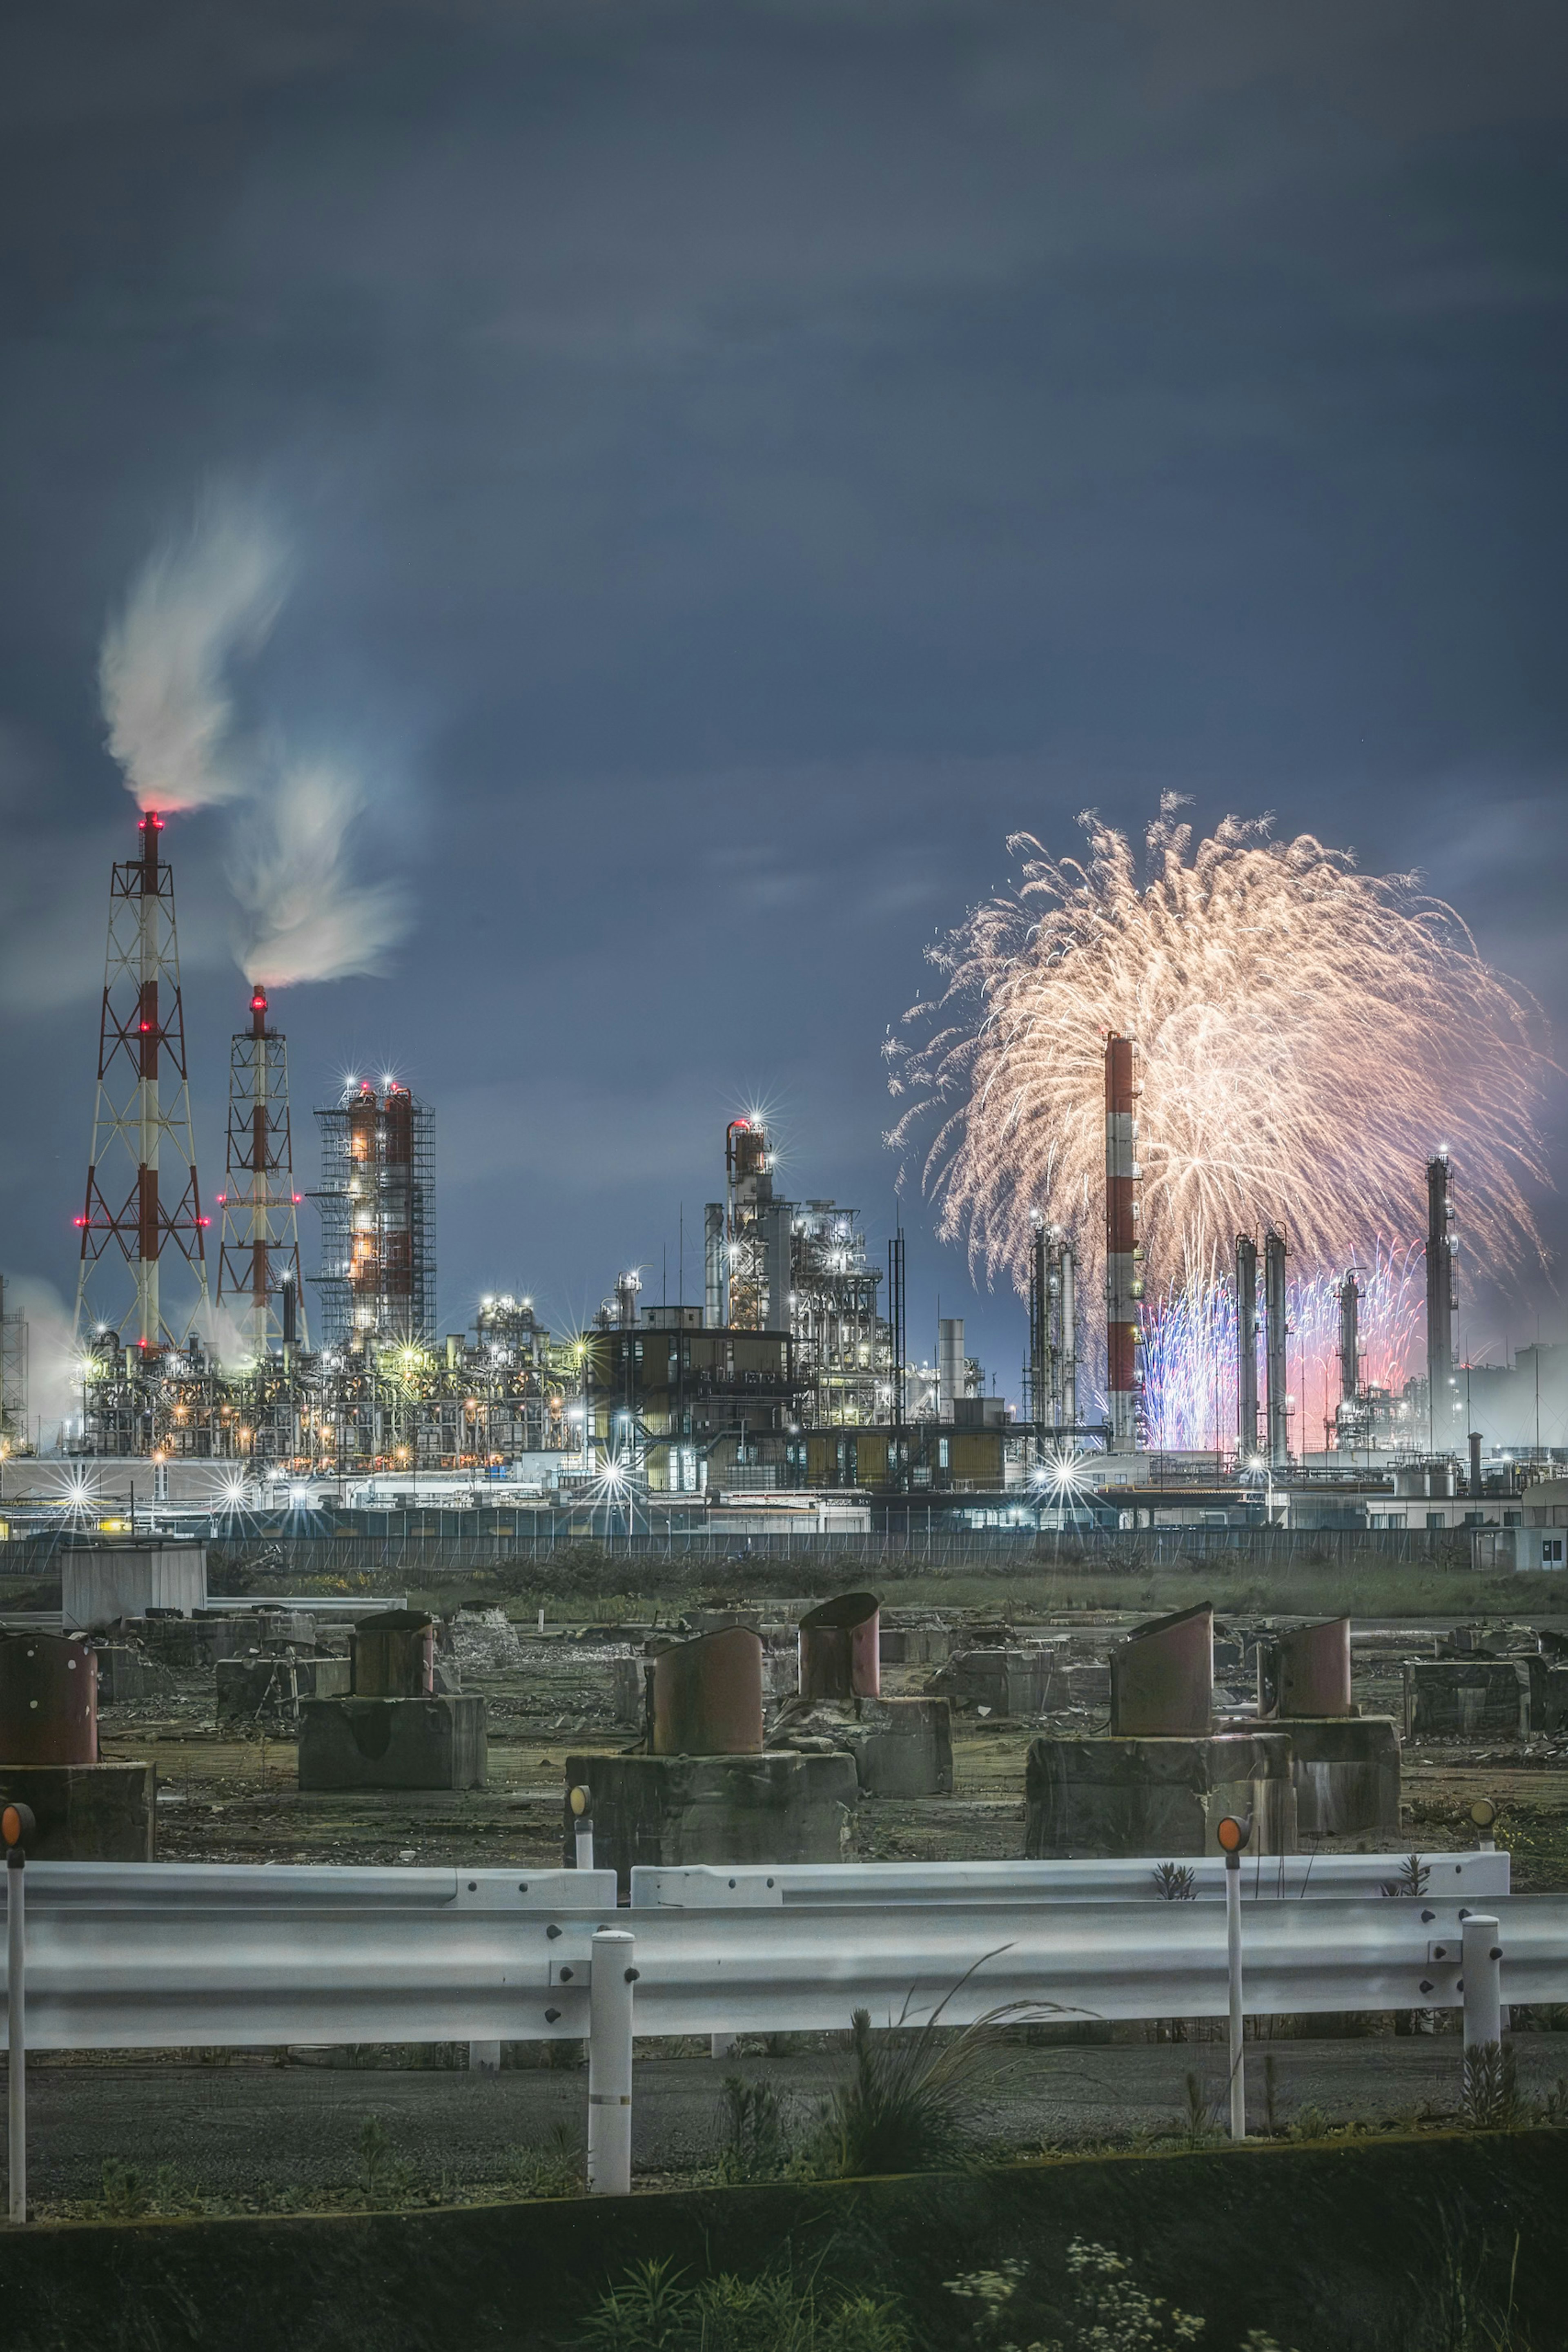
[(163, 1957), (188, 1887), (114, 1977), (1476, 1874)]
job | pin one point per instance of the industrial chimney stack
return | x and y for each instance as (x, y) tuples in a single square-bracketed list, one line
[(1439, 1300), (258, 1261), (1122, 1287), (142, 1188)]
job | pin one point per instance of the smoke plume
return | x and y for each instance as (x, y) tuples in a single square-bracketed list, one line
[(306, 918), (163, 663)]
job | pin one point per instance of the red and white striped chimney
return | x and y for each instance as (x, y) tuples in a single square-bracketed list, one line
[(1124, 1286)]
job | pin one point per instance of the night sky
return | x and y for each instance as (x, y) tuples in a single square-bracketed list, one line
[(741, 462)]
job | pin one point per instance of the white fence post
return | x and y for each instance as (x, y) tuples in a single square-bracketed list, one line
[(1238, 2023), (1482, 1982), (610, 2063), (15, 2028)]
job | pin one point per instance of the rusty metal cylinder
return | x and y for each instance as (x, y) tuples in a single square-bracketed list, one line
[(707, 1696), (1162, 1678), (840, 1648), (1312, 1670), (48, 1699), (394, 1655)]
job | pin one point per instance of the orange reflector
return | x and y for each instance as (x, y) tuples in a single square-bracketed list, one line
[(1232, 1834)]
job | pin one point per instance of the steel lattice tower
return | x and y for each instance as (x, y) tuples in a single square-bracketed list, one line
[(258, 1261), (142, 1129)]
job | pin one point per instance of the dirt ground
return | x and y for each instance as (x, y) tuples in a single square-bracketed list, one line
[(229, 1792)]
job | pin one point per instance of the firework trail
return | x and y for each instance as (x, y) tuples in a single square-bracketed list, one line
[(1189, 1351), (1308, 1035)]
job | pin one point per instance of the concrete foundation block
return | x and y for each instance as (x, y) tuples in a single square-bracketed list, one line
[(87, 1812), (1086, 1797), (680, 1808), (1471, 1699), (250, 1687), (124, 1673), (1553, 1707), (392, 1743), (1034, 1681), (1345, 1769), (903, 1747), (914, 1645)]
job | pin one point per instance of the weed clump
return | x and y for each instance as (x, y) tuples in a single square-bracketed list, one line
[(651, 2310)]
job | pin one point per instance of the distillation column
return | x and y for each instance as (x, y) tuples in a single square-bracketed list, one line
[(1275, 1312), (1246, 1347)]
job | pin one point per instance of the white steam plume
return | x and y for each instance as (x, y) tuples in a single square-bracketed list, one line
[(163, 662), (53, 1359), (306, 918)]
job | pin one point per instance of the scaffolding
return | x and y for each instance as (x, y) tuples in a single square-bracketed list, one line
[(258, 1259), (376, 1202)]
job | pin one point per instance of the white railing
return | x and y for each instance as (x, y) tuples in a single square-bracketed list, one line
[(191, 1955), (1475, 1872)]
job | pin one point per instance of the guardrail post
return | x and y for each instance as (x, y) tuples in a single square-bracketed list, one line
[(610, 2063), (17, 2028), (1482, 1981), (484, 2057), (1233, 1836)]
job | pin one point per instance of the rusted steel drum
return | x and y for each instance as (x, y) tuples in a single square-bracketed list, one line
[(48, 1699), (1311, 1669), (707, 1696), (840, 1648), (1162, 1678), (394, 1655)]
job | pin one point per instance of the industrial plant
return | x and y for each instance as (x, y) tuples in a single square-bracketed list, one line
[(788, 1388)]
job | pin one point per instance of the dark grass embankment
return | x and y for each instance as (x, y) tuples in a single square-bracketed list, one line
[(586, 1582), (1326, 2249)]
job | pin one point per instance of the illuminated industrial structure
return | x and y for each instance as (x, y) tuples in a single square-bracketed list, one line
[(802, 1268), (258, 1258), (377, 1200), (142, 1188)]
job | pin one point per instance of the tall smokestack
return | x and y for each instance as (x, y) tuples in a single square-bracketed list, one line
[(1274, 1333), (258, 1261), (1246, 1346), (1123, 1287), (1067, 1343), (142, 1125), (1044, 1402), (1439, 1300)]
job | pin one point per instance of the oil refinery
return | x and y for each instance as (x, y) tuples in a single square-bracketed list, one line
[(278, 1387)]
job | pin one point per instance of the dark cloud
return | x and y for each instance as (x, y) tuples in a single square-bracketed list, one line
[(742, 461)]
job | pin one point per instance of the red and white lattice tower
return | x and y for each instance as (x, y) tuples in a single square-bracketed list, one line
[(141, 1190), (1123, 1282), (258, 1261)]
